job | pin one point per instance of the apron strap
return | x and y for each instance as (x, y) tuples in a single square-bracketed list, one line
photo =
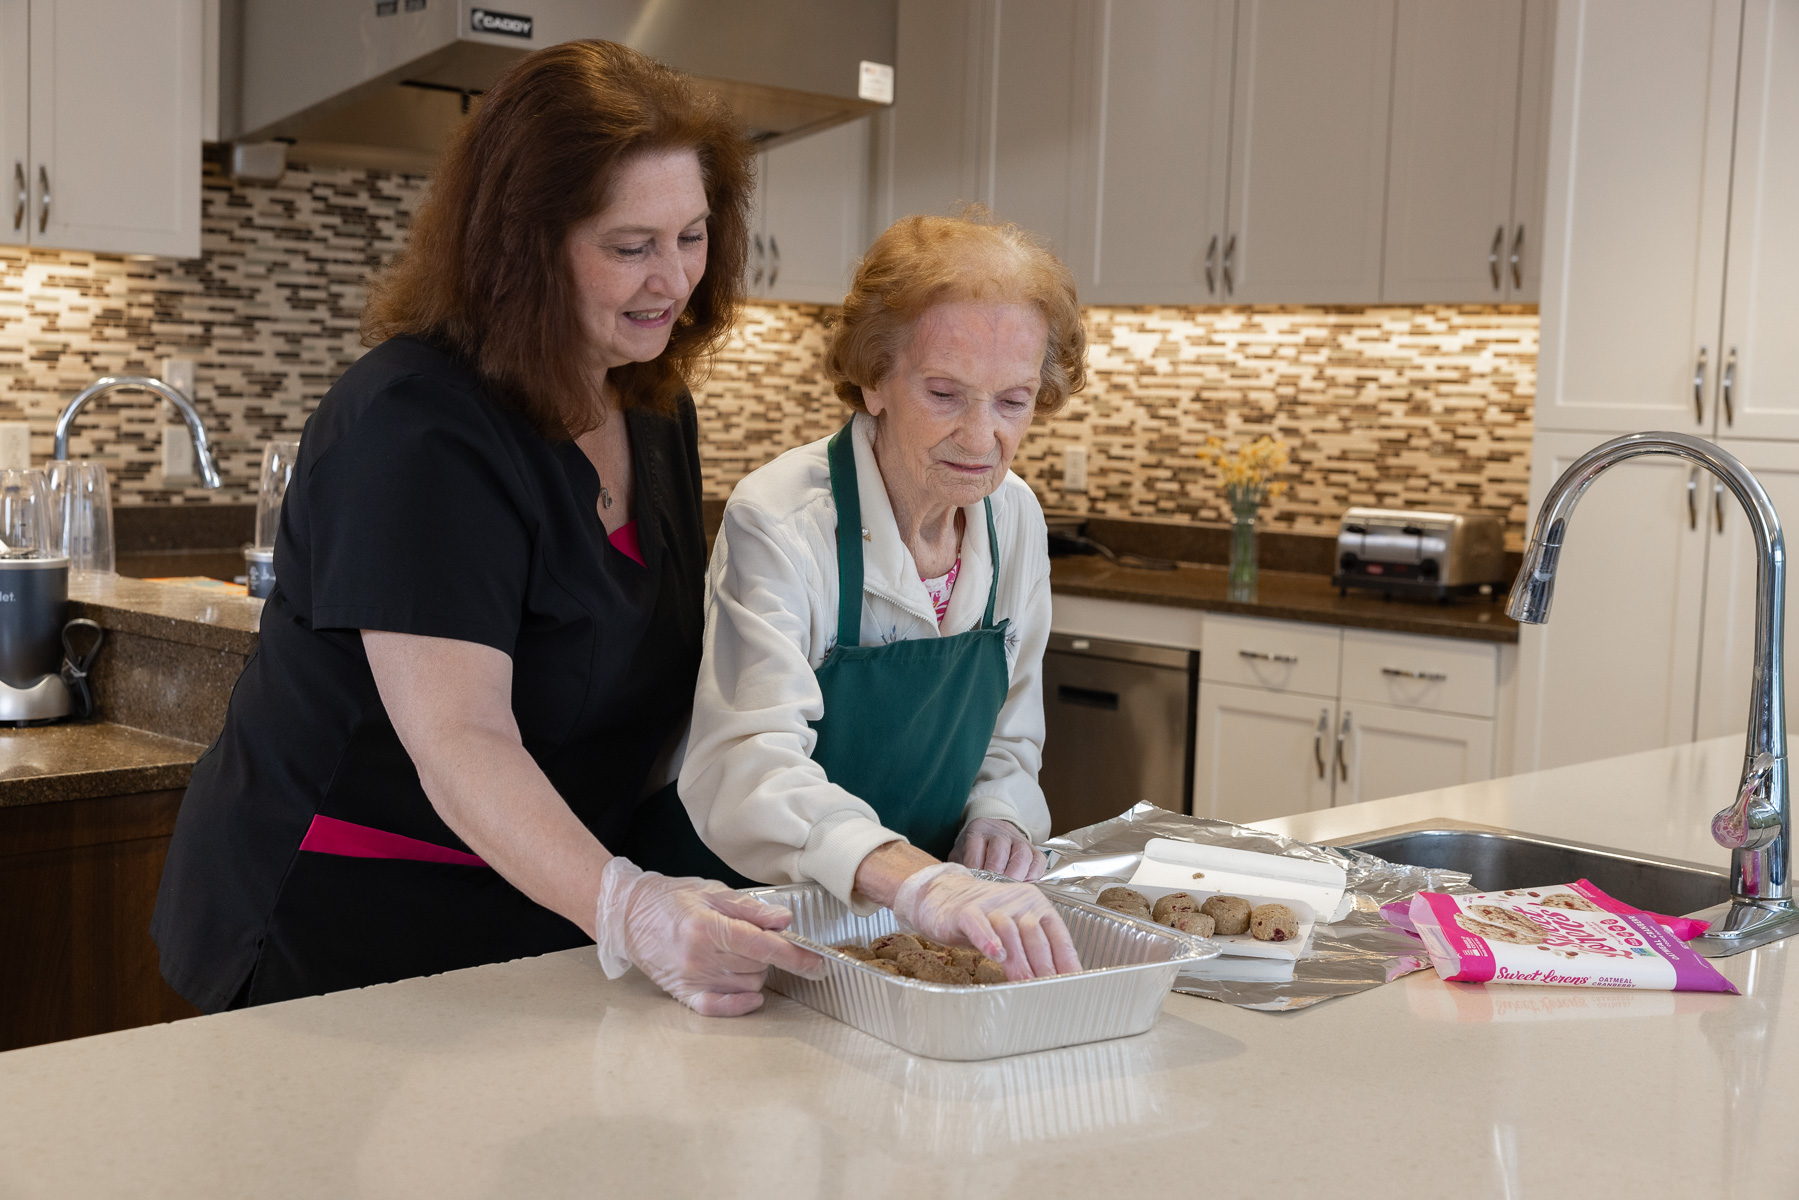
[(993, 544), (842, 456)]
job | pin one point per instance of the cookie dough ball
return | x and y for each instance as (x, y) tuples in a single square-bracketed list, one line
[(1173, 902), (964, 958), (988, 971), (1231, 913), (933, 947), (894, 944), (886, 965), (1126, 900), (926, 967), (1273, 923), (858, 952), (1196, 923)]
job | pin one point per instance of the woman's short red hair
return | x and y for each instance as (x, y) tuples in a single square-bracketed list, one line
[(485, 272), (924, 261)]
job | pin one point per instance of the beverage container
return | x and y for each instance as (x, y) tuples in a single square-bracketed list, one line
[(81, 516), (277, 471)]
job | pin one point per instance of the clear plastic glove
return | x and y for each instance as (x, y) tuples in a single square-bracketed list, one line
[(990, 844), (701, 942), (1011, 923)]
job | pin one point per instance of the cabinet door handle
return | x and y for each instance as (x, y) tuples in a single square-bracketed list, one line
[(1324, 723), (1230, 252), (1693, 498), (1699, 388), (1426, 676), (24, 198), (761, 257), (1343, 754), (774, 260), (43, 188), (1211, 264), (1718, 504), (1262, 656), (1518, 258), (1493, 256), (1727, 386)]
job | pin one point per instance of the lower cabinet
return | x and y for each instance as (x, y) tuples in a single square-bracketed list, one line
[(1382, 751), (1261, 753)]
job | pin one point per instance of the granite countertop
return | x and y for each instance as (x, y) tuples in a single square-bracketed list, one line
[(172, 612), (81, 761), (1280, 595), (540, 1077)]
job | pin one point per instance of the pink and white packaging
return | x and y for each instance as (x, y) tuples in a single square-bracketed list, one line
[(1566, 935)]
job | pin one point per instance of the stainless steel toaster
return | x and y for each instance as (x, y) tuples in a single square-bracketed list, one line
[(1425, 555)]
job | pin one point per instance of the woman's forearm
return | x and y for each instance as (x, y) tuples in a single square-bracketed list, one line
[(879, 876)]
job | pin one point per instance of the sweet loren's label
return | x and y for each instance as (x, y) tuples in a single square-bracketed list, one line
[(486, 20)]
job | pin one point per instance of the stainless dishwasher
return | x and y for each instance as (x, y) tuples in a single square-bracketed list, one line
[(1119, 728)]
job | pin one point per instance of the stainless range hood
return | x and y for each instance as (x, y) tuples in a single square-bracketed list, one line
[(384, 81)]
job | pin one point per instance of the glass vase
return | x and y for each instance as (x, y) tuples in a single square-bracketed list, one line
[(1243, 553)]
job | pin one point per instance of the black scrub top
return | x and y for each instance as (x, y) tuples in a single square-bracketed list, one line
[(420, 504)]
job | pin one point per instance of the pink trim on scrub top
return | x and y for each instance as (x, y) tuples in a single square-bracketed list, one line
[(624, 540), (328, 835)]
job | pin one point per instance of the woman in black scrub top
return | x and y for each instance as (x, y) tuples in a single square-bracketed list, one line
[(485, 629)]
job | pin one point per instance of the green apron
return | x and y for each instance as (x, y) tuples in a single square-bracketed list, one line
[(906, 725)]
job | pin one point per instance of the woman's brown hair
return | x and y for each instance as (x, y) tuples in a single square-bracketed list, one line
[(485, 272), (923, 261)]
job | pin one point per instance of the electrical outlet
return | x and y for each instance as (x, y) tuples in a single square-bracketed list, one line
[(15, 445), (1074, 468), (177, 453), (178, 373)]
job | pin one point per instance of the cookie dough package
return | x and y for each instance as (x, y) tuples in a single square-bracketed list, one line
[(1555, 935)]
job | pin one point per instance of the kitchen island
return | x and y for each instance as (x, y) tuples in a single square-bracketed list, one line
[(540, 1078)]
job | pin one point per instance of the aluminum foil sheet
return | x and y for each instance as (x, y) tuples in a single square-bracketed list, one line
[(1352, 955), (1129, 967)]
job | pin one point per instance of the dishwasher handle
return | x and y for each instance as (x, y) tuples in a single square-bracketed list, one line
[(1087, 697)]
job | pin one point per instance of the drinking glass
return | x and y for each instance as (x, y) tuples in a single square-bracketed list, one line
[(277, 469), (25, 522), (82, 521)]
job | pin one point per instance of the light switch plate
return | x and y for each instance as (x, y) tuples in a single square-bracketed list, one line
[(177, 452), (1074, 468), (15, 445), (178, 373)]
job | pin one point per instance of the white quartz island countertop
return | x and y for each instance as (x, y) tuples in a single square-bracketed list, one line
[(540, 1078)]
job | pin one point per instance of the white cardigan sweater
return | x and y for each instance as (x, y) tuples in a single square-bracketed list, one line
[(748, 780)]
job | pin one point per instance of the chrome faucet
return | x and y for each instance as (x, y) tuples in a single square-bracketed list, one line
[(1757, 825), (196, 429)]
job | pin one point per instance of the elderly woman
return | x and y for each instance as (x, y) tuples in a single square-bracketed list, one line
[(869, 701), (487, 616)]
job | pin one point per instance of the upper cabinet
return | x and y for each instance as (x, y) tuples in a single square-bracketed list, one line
[(811, 216), (100, 124), (1308, 151)]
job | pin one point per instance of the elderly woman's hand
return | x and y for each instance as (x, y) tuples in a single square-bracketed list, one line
[(990, 844), (1012, 923), (707, 946)]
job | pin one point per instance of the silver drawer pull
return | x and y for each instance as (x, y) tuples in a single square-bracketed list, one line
[(1260, 656), (1428, 676)]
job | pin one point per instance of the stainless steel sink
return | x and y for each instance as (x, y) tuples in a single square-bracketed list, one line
[(1498, 859)]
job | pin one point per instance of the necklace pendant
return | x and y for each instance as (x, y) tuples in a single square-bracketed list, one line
[(605, 497)]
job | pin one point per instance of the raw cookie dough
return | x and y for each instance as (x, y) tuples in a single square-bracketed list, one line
[(1273, 923), (927, 967), (894, 944), (988, 971), (1196, 923), (1230, 912), (1126, 900), (913, 957), (1173, 902)]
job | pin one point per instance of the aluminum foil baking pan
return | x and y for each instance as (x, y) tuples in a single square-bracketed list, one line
[(1129, 967)]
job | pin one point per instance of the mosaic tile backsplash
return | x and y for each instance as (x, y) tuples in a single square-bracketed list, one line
[(1394, 406)]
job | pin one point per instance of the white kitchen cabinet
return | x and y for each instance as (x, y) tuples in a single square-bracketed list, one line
[(1163, 151), (1614, 670), (1456, 73), (1524, 248), (1261, 753), (931, 144), (115, 126), (1041, 142), (1759, 373), (811, 222), (1638, 190), (15, 120), (1308, 173), (1380, 751)]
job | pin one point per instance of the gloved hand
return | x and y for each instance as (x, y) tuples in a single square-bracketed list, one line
[(990, 844), (707, 946), (1012, 923)]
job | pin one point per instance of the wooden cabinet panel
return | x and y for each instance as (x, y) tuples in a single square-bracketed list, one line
[(1261, 754), (1449, 177), (1761, 305), (1041, 142), (15, 120), (1308, 150), (932, 140), (1634, 224), (1614, 669), (1524, 247), (115, 125), (1382, 751), (1293, 656), (1163, 151), (78, 883), (814, 200), (1407, 671)]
